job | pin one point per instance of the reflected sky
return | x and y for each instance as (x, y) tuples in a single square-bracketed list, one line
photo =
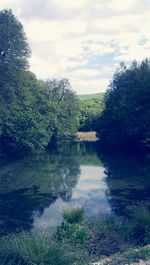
[(90, 192), (34, 190)]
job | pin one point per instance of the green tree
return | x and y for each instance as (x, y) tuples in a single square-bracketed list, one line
[(65, 105), (90, 108), (31, 112), (14, 49), (26, 121), (125, 119), (25, 112)]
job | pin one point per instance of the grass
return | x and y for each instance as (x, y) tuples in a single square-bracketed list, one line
[(132, 255), (78, 241), (141, 214), (110, 235), (72, 229), (74, 216), (37, 249)]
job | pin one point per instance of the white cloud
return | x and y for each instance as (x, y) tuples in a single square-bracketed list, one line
[(92, 86), (84, 39), (122, 5)]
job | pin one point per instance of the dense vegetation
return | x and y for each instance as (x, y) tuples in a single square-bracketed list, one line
[(32, 113), (78, 241), (90, 108), (124, 122)]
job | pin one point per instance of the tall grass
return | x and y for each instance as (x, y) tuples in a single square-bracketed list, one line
[(37, 249), (72, 230), (141, 214), (74, 215), (78, 240)]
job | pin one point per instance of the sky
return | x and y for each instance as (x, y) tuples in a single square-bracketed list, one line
[(83, 40)]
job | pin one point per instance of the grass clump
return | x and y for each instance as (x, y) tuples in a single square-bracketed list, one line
[(37, 249), (74, 216), (141, 214), (73, 230), (74, 234)]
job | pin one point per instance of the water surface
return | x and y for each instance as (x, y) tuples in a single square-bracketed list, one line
[(34, 190)]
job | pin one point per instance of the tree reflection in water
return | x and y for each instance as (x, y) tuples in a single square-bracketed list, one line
[(29, 185), (128, 180), (34, 190)]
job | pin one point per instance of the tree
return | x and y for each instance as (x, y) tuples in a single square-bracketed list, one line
[(90, 108), (125, 119), (31, 111), (14, 49), (65, 106), (26, 122)]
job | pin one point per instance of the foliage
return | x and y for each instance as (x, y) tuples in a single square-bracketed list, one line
[(32, 113), (125, 119), (90, 108), (14, 49), (26, 119), (65, 107)]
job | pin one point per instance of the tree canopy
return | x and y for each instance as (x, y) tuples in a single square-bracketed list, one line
[(31, 111), (90, 108), (14, 49), (125, 119)]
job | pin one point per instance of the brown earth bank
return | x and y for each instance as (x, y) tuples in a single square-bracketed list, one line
[(86, 136)]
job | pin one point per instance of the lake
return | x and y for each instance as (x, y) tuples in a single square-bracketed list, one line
[(35, 189)]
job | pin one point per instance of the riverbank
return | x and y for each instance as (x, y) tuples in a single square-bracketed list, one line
[(137, 256), (82, 241), (87, 136)]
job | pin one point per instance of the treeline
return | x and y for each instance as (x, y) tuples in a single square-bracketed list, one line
[(33, 113), (90, 107), (125, 120)]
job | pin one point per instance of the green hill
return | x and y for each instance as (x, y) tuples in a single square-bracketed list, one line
[(91, 96), (91, 105)]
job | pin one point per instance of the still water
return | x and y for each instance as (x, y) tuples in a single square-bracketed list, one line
[(34, 190)]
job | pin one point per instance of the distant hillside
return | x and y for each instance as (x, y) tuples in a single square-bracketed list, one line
[(91, 105), (91, 96)]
